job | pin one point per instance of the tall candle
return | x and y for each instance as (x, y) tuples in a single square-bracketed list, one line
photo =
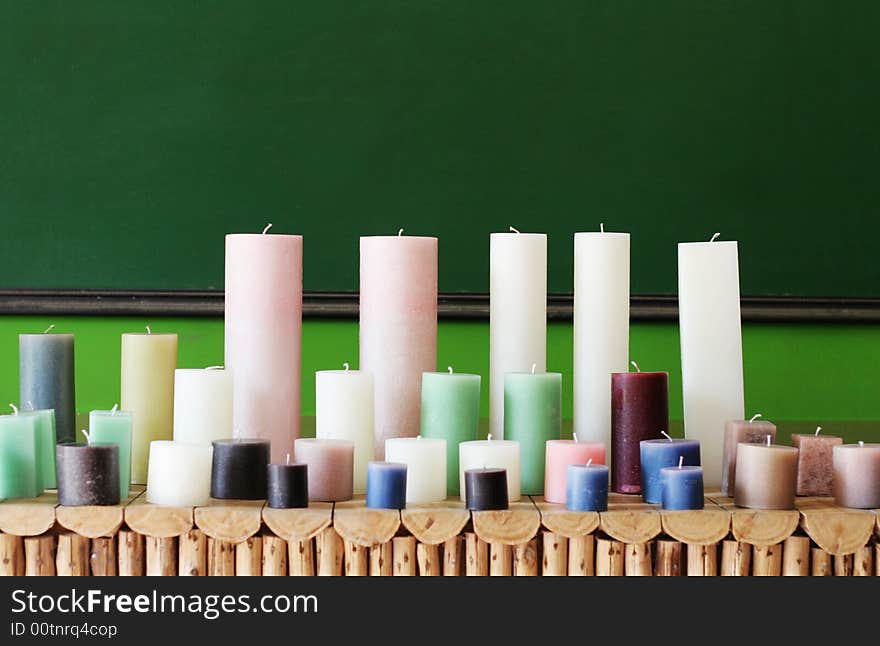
[(344, 410), (657, 454), (601, 331), (147, 392), (815, 462), (560, 454), (263, 336), (753, 431), (44, 421), (180, 474), (202, 405), (517, 313), (425, 461), (857, 475), (88, 474), (451, 412), (532, 416), (398, 328), (330, 466), (766, 476), (114, 427), (46, 378), (711, 346), (491, 453), (18, 457)]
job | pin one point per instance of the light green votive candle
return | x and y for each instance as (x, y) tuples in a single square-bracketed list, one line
[(18, 457), (114, 427), (44, 420), (451, 412)]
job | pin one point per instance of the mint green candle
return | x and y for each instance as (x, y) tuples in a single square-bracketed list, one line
[(451, 412), (44, 420), (18, 457), (114, 427), (532, 416)]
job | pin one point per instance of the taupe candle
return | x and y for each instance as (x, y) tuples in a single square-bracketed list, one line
[(88, 474), (857, 475), (766, 476), (753, 431), (815, 471)]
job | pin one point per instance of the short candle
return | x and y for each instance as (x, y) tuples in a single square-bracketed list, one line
[(587, 487), (88, 474), (815, 462), (681, 487), (766, 476), (288, 485), (331, 467), (753, 431), (857, 475), (239, 469), (179, 474), (498, 454), (426, 466), (386, 485), (114, 427), (657, 454), (485, 489), (560, 454)]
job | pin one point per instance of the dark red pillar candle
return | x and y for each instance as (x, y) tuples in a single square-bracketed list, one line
[(639, 411)]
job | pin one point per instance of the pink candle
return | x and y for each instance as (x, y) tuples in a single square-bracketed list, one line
[(857, 475), (560, 454), (263, 336), (330, 467), (815, 470), (398, 328)]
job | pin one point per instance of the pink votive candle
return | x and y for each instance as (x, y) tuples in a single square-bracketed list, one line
[(559, 455), (857, 475), (331, 467)]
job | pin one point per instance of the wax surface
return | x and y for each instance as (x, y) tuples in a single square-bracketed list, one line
[(736, 431), (499, 454), (44, 421), (398, 328), (288, 486), (88, 474), (857, 475), (711, 346), (147, 392), (451, 412), (517, 313), (344, 410), (639, 411), (586, 487), (532, 416), (559, 455), (46, 378), (681, 488), (425, 460), (331, 467), (485, 489), (386, 485), (114, 427), (179, 474), (601, 330), (18, 457), (656, 454), (766, 476), (202, 405), (239, 469), (263, 336), (815, 463)]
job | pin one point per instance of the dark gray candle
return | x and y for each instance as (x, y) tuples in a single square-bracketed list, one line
[(485, 489), (238, 469), (88, 474), (46, 378), (288, 486)]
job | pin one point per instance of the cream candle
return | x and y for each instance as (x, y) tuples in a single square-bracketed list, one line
[(766, 476), (425, 461), (398, 328), (857, 475), (491, 453), (147, 392), (179, 474), (202, 405), (560, 454), (344, 410), (517, 313), (711, 346), (815, 462), (330, 465), (753, 431)]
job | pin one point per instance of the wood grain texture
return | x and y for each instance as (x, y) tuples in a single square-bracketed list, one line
[(763, 527), (702, 527), (838, 531), (156, 520), (232, 521), (513, 526), (631, 526), (435, 524), (28, 517), (298, 524), (362, 526)]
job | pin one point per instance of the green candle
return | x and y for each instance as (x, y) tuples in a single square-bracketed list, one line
[(44, 420), (114, 427), (532, 415), (451, 412), (18, 457)]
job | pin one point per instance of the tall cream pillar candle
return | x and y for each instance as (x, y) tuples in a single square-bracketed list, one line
[(202, 405), (517, 313), (147, 392), (601, 328), (398, 329), (711, 346), (264, 335)]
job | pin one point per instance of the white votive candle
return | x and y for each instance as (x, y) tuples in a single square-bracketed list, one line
[(491, 454), (179, 474), (425, 460)]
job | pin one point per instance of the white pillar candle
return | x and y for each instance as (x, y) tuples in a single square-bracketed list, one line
[(179, 474), (425, 461), (263, 336), (711, 346), (491, 454), (517, 313), (202, 405), (601, 328), (398, 328), (344, 411)]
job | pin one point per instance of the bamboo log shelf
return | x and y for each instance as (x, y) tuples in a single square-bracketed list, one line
[(532, 538)]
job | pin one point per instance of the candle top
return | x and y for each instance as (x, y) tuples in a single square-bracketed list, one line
[(640, 374), (601, 234), (418, 441), (579, 443), (323, 440), (671, 440), (399, 237), (851, 447), (82, 446), (683, 469), (157, 335), (240, 441), (446, 373), (499, 443), (517, 374), (485, 470), (56, 336), (517, 234), (706, 243), (265, 234), (395, 466), (110, 413), (761, 445), (591, 466)]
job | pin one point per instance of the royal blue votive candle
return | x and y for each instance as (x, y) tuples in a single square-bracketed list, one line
[(681, 487), (657, 454), (386, 485), (586, 487)]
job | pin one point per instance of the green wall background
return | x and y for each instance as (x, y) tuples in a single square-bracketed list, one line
[(799, 376)]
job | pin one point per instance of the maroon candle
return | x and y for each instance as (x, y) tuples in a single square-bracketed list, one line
[(639, 411)]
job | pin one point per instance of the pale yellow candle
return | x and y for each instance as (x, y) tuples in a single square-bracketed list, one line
[(147, 385)]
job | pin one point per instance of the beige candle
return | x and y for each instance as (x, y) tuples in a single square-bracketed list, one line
[(330, 467), (753, 431), (766, 476), (857, 475), (815, 470)]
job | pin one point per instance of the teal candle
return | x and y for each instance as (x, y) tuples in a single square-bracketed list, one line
[(532, 416), (114, 427), (451, 412), (18, 457), (45, 428)]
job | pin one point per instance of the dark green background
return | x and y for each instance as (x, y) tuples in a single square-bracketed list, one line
[(134, 135)]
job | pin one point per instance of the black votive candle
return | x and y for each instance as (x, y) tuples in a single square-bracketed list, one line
[(288, 485), (238, 469), (485, 489), (88, 474)]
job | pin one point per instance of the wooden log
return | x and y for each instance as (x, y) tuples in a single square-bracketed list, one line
[(500, 559), (820, 562), (72, 556), (130, 547), (357, 559), (668, 558), (104, 561), (843, 565), (301, 557), (92, 521), (582, 555), (39, 555), (28, 517), (161, 521), (11, 555), (362, 526), (403, 553), (330, 552), (428, 559), (609, 557), (381, 560), (231, 521), (555, 551), (702, 560), (569, 524), (513, 526), (161, 556), (274, 556), (703, 526), (525, 559), (767, 560), (876, 554), (796, 556), (763, 527), (476, 555), (637, 560), (249, 557), (838, 531), (736, 558), (221, 557), (863, 561), (193, 554), (631, 525), (435, 523), (452, 556), (294, 525)]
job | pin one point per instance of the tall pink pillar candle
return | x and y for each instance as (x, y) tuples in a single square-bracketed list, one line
[(330, 467), (559, 455), (263, 336), (398, 329), (857, 475)]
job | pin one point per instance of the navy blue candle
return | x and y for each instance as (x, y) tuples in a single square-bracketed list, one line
[(386, 485), (586, 487), (657, 454), (681, 487)]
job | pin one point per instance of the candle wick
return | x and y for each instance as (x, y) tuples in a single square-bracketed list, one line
[(714, 236), (768, 440), (345, 366), (861, 443), (449, 368), (288, 458), (680, 461), (666, 435), (575, 436), (489, 437), (534, 365), (30, 404), (149, 331), (590, 461), (636, 366), (268, 226), (14, 409), (419, 436), (49, 329), (818, 428), (214, 368), (399, 233), (601, 227), (88, 438), (113, 410), (512, 230), (754, 417)]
